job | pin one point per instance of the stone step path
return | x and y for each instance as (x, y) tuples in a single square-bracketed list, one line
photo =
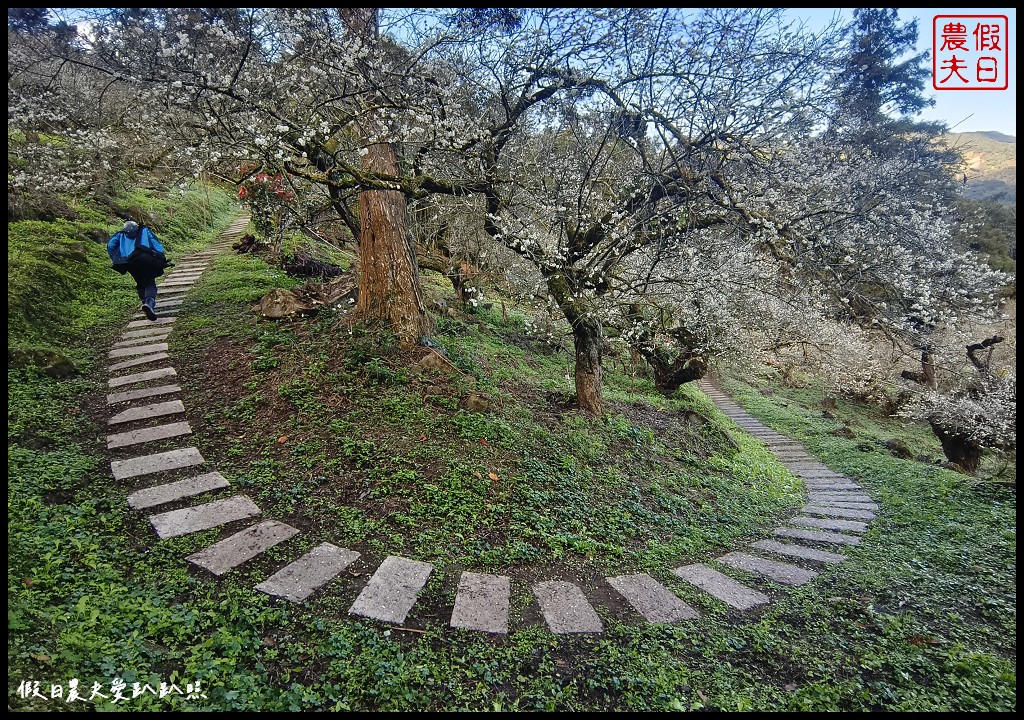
[(150, 434), (482, 603), (129, 395), (720, 586), (836, 515), (651, 599), (178, 490), (392, 590), (300, 579), (566, 608), (242, 546)]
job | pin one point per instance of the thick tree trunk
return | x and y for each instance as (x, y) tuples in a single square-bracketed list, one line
[(959, 449), (587, 337), (670, 376), (389, 279)]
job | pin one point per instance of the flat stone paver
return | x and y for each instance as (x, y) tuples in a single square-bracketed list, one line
[(129, 395), (566, 609), (830, 524), (203, 517), (392, 590), (772, 569), (798, 551), (157, 327), (138, 361), (160, 337), (144, 412), (241, 547), (150, 323), (843, 504), (146, 376), (482, 603), (651, 599), (834, 538), (832, 487), (137, 350), (150, 434), (157, 462), (300, 579), (838, 512), (839, 496), (721, 586), (179, 490)]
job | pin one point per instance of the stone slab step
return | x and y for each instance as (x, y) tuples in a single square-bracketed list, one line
[(146, 376), (203, 517), (137, 350), (651, 599), (392, 590), (721, 586), (150, 434), (839, 496), (145, 412), (772, 569), (129, 395), (300, 579), (843, 504), (833, 538), (838, 512), (482, 603), (179, 490), (831, 487), (151, 323), (566, 609), (132, 342), (241, 547), (156, 327), (162, 312), (138, 361), (830, 524), (157, 462), (798, 551)]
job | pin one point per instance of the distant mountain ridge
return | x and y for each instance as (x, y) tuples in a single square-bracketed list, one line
[(990, 166)]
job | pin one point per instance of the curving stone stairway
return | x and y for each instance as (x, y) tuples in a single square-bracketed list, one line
[(144, 410)]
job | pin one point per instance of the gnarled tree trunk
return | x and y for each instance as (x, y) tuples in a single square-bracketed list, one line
[(959, 449)]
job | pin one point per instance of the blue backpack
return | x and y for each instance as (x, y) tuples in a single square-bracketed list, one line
[(142, 254)]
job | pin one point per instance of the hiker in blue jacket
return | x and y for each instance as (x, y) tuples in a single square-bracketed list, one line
[(135, 250)]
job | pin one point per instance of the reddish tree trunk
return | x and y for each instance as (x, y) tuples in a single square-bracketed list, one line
[(389, 279)]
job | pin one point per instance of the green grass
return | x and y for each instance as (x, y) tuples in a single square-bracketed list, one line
[(328, 426)]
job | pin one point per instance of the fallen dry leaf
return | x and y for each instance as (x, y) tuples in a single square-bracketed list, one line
[(483, 441), (493, 476), (283, 439)]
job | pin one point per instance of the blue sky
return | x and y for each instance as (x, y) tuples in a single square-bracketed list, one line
[(962, 110)]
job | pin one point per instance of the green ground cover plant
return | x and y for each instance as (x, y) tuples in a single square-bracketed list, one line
[(331, 427)]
